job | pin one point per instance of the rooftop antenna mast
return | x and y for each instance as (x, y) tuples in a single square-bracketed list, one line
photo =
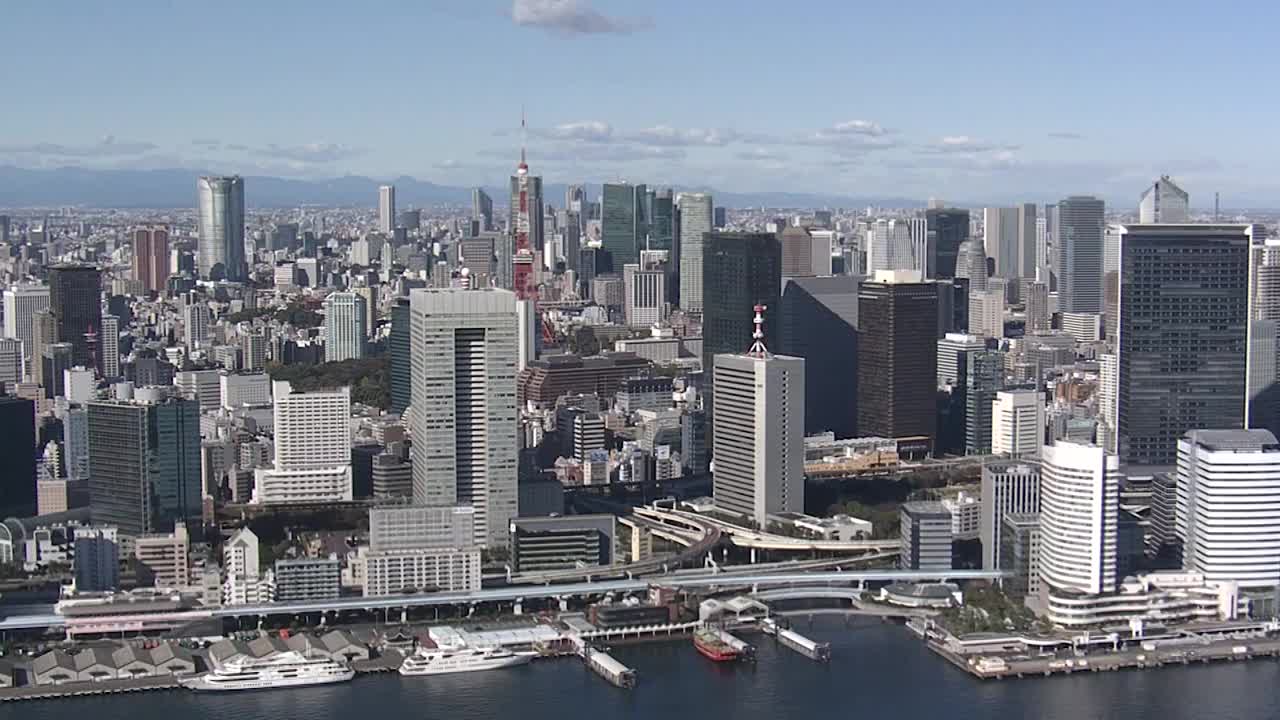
[(758, 349)]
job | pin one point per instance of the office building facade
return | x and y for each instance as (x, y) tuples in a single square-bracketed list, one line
[(1079, 238), (1008, 487), (897, 358), (346, 317), (1079, 502), (75, 301), (695, 213), (818, 321), (220, 228), (151, 259)]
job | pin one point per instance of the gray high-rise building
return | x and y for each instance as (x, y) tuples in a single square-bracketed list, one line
[(482, 208), (1027, 240), (220, 228), (399, 350), (464, 354), (387, 208), (1181, 350), (145, 460), (695, 221), (819, 322), (1078, 235), (1001, 238), (345, 326), (897, 358), (1164, 202), (984, 377)]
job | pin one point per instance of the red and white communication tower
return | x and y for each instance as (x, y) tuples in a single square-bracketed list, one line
[(757, 346), (522, 258)]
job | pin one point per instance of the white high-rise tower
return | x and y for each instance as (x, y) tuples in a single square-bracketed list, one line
[(387, 208), (464, 355)]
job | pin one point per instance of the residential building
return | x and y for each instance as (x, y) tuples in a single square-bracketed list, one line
[(345, 326), (307, 579), (96, 564), (151, 259), (163, 560), (312, 448)]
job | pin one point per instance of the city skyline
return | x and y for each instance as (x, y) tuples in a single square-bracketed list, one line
[(888, 137)]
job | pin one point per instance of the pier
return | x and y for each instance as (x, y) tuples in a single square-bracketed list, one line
[(819, 651), (603, 664), (744, 649)]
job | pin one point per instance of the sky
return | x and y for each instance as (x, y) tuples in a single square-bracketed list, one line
[(992, 101)]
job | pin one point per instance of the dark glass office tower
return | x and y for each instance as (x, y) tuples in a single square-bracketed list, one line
[(739, 271), (75, 299), (1182, 335), (984, 377), (622, 224), (398, 349), (1079, 235), (145, 460), (18, 446), (662, 224), (897, 360), (946, 229), (819, 322)]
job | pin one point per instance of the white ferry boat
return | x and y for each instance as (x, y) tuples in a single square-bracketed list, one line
[(285, 669), (439, 661)]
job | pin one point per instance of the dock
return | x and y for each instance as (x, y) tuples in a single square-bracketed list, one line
[(604, 665), (998, 666)]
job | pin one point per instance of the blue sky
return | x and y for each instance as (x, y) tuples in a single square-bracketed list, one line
[(987, 101)]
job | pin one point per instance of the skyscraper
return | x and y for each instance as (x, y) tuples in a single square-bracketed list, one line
[(1228, 506), (818, 321), (983, 381), (622, 223), (398, 348), (145, 460), (1079, 504), (195, 320), (661, 230), (695, 221), (971, 264), (151, 258), (482, 208), (645, 304), (220, 232), (758, 436), (1079, 237), (1002, 240), (345, 326), (1027, 240), (18, 445), (1181, 357), (110, 346), (387, 208), (739, 271), (897, 357), (75, 299), (797, 252), (464, 358), (1164, 202), (948, 229), (21, 303), (1264, 334), (1007, 487), (889, 246)]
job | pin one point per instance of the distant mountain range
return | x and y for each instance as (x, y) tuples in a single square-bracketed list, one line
[(75, 186)]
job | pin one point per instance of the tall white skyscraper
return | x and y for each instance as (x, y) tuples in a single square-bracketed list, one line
[(695, 219), (1080, 254), (1002, 238), (1079, 502), (1107, 401), (758, 433), (1228, 506), (1008, 487), (220, 228), (463, 362), (1017, 423), (890, 245), (21, 302), (1164, 202), (312, 447), (195, 320), (345, 326), (110, 339), (387, 208)]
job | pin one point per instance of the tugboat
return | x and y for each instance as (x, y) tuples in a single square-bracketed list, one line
[(708, 642)]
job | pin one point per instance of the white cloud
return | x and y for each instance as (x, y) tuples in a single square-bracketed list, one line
[(317, 152), (571, 16), (108, 146), (667, 135), (585, 131)]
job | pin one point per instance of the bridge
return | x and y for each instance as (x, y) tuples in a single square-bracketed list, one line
[(708, 581)]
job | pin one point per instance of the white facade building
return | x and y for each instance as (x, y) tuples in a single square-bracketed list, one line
[(312, 448), (238, 390), (1228, 506), (387, 208), (1079, 501), (1164, 202), (1008, 488), (345, 326), (465, 418), (695, 220), (21, 303), (645, 303), (1017, 423), (758, 434)]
